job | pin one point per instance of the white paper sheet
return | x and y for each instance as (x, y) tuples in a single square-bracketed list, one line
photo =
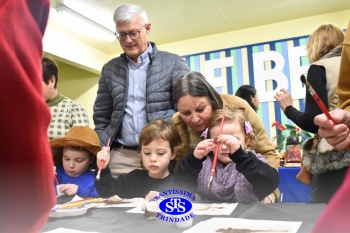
[(213, 208), (232, 225)]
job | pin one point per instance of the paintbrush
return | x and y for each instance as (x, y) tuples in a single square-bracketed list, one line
[(212, 173), (78, 203), (102, 163), (317, 98), (56, 181)]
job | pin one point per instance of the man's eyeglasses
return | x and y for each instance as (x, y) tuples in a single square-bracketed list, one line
[(133, 35)]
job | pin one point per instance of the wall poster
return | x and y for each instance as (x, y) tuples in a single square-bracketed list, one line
[(267, 66)]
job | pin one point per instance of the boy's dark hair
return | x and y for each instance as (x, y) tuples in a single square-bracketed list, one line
[(49, 68)]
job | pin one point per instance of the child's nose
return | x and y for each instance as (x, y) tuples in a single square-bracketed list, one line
[(153, 157)]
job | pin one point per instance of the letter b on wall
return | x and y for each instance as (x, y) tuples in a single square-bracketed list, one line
[(262, 74)]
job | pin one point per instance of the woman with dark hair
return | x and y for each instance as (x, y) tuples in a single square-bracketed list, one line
[(249, 94), (196, 100)]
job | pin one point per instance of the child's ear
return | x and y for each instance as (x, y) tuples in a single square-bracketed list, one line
[(248, 139), (173, 155)]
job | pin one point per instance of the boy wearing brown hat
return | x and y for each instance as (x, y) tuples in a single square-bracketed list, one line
[(74, 155)]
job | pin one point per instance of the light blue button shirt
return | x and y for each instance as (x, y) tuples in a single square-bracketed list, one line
[(134, 118)]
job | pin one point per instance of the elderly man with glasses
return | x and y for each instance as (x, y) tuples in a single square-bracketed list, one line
[(133, 89)]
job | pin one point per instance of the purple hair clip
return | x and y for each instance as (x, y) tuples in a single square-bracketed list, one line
[(248, 127), (205, 133)]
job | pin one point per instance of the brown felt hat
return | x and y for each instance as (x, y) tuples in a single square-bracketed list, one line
[(77, 136)]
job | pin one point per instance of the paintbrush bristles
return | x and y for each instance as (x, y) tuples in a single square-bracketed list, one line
[(307, 84), (303, 79), (102, 162), (210, 184)]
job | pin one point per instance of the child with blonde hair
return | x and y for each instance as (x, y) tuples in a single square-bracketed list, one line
[(241, 175)]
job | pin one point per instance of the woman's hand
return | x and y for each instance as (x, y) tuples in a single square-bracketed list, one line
[(203, 148), (283, 98), (104, 155), (336, 135)]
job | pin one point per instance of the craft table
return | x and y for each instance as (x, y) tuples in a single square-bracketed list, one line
[(111, 220)]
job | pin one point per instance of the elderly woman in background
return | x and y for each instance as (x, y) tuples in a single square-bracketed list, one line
[(196, 100)]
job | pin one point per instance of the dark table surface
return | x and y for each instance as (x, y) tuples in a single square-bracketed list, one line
[(106, 220)]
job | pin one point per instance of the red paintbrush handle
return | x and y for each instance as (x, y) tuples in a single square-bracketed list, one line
[(322, 107), (102, 163), (316, 98), (215, 158), (109, 140), (56, 181), (217, 147)]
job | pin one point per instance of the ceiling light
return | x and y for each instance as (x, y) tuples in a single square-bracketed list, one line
[(71, 17)]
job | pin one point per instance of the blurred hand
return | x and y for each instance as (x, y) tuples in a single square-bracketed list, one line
[(336, 135), (283, 98)]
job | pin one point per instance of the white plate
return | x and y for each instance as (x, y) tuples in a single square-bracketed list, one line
[(69, 212)]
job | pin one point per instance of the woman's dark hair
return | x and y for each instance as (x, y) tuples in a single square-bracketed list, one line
[(195, 84), (49, 68), (245, 92)]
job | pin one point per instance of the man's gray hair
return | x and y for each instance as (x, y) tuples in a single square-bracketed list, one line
[(126, 12)]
